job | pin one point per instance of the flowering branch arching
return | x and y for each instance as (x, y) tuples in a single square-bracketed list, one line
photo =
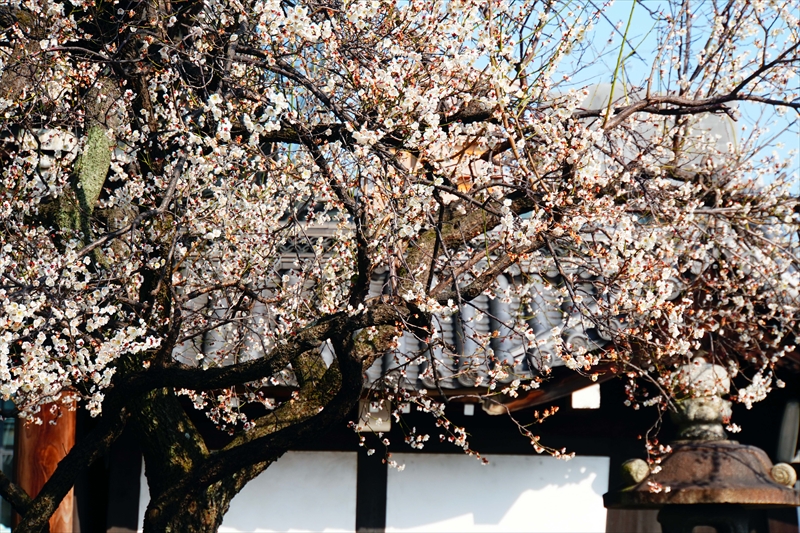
[(215, 199)]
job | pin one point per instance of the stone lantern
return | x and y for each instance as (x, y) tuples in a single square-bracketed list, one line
[(707, 480)]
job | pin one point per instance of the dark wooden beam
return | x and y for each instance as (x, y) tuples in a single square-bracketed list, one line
[(371, 493), (124, 479)]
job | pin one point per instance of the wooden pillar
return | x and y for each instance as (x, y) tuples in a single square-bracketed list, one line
[(39, 448), (372, 476)]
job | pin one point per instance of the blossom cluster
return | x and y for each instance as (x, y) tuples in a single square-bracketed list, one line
[(260, 160)]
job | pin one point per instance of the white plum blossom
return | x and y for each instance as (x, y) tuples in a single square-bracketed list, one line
[(254, 189)]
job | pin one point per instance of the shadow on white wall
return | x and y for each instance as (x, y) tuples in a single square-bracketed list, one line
[(512, 493), (303, 491), (316, 491)]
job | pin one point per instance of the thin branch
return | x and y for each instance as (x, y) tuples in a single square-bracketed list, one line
[(474, 260), (161, 209)]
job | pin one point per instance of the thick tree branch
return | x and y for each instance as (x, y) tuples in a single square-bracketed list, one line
[(329, 402), (353, 358), (14, 494), (457, 231), (94, 445), (310, 338), (485, 280)]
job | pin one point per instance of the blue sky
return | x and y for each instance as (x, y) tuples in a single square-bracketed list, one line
[(640, 48)]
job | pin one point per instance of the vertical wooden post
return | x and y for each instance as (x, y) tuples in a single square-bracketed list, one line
[(371, 479), (39, 448)]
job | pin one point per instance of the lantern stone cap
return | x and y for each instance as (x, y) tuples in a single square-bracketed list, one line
[(699, 472)]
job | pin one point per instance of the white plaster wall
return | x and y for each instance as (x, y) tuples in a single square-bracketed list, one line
[(303, 491), (438, 493)]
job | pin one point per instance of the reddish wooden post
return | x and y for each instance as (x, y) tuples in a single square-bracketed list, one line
[(39, 448)]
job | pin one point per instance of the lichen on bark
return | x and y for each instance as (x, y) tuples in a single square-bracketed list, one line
[(77, 204)]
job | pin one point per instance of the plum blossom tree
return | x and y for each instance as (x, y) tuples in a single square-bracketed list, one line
[(169, 168)]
